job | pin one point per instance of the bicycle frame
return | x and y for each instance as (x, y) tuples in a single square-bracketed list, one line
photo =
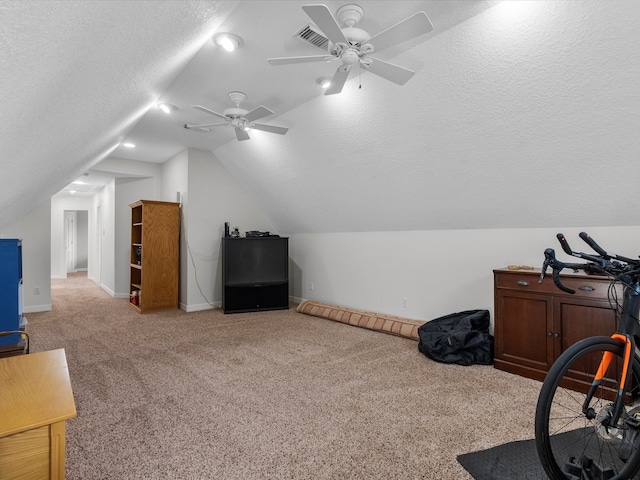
[(609, 445), (628, 333)]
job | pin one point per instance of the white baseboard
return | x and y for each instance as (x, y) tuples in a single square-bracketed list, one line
[(199, 307), (37, 308), (109, 291), (297, 300)]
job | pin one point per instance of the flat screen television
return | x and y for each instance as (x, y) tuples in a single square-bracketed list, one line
[(256, 261)]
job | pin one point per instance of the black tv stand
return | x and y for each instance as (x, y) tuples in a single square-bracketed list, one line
[(255, 274)]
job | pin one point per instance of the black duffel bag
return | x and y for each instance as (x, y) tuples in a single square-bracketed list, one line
[(461, 338)]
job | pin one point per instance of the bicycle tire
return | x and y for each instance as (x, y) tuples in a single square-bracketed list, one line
[(566, 440)]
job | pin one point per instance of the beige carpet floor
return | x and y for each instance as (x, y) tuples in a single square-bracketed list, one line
[(270, 395)]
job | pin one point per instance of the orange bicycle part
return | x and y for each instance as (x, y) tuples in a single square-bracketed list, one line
[(608, 356)]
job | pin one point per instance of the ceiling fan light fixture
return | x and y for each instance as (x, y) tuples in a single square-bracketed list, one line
[(167, 107), (228, 41), (324, 82)]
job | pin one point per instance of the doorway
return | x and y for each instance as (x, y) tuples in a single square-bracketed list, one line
[(76, 240)]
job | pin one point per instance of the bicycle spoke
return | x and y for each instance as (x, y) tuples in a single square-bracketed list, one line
[(566, 437)]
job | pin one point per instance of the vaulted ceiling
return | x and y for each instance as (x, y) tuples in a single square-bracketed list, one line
[(520, 114)]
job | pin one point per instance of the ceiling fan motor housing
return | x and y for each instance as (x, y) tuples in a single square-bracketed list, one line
[(235, 112), (356, 36)]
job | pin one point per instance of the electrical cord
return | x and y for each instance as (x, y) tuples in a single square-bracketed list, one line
[(191, 257)]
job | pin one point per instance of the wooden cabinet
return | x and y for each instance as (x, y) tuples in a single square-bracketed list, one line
[(535, 322), (35, 402), (155, 255)]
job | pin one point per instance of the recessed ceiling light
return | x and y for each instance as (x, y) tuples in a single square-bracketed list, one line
[(324, 82), (167, 107), (228, 41), (129, 145)]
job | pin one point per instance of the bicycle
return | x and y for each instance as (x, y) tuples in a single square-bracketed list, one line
[(587, 420)]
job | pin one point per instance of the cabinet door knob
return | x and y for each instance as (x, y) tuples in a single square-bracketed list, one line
[(549, 334), (523, 283), (586, 288)]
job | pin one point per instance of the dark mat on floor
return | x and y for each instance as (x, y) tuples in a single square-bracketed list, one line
[(519, 460), (516, 460)]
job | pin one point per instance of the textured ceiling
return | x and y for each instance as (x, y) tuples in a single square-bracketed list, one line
[(521, 113), (79, 77), (76, 77), (526, 115)]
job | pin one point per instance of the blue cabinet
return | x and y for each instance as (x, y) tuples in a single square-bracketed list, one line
[(10, 288)]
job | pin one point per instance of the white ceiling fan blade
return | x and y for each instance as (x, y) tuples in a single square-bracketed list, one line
[(205, 125), (307, 59), (389, 71), (258, 112), (270, 128), (407, 29), (338, 80), (325, 21), (241, 134), (211, 112)]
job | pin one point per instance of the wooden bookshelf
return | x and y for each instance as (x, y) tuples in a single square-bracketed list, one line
[(155, 255)]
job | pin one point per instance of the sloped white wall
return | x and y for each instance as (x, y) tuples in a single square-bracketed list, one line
[(96, 68), (525, 115)]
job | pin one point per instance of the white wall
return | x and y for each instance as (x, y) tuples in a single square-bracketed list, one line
[(210, 196), (110, 231), (214, 197), (106, 199), (175, 183), (438, 272), (128, 190), (82, 240), (35, 231)]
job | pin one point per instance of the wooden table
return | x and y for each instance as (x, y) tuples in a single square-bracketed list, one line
[(35, 401)]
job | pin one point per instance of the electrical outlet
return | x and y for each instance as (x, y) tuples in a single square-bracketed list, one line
[(36, 291), (404, 302), (310, 285)]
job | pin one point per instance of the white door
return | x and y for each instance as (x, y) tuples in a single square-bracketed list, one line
[(69, 238)]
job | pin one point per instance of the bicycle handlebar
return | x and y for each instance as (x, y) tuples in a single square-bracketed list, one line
[(603, 263)]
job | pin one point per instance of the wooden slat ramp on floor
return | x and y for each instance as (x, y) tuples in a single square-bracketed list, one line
[(402, 327)]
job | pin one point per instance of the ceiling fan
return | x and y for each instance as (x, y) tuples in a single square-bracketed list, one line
[(239, 118), (353, 46)]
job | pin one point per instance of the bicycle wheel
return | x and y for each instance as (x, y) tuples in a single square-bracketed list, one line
[(574, 445)]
